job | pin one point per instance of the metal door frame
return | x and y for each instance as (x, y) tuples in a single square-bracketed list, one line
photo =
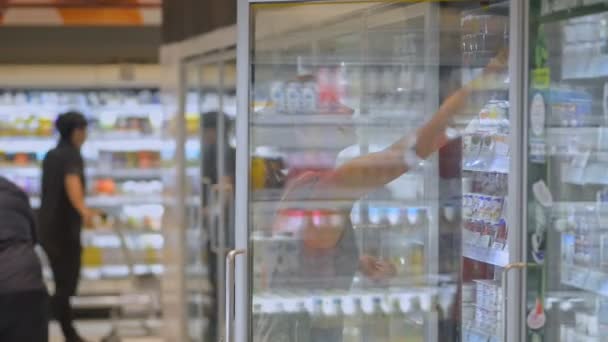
[(217, 58), (517, 200)]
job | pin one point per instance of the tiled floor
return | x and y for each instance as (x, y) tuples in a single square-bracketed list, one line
[(94, 331)]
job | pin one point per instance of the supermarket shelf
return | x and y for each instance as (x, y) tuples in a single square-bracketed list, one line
[(135, 241), (90, 286), (120, 271), (119, 200), (125, 109), (34, 144), (22, 171), (112, 301), (491, 256), (112, 201), (134, 173), (585, 279), (126, 173), (575, 12), (394, 300)]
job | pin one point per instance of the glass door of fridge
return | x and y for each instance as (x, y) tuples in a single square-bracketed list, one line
[(196, 270), (208, 157), (357, 113), (567, 281)]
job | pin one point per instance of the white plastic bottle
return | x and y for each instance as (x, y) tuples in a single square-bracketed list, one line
[(376, 326)]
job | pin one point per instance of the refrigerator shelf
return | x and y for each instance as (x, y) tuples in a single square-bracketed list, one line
[(491, 256), (499, 164), (585, 279), (593, 173), (575, 12), (326, 121), (405, 301), (271, 206)]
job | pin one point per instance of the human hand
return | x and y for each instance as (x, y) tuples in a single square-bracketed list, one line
[(376, 269), (91, 217), (499, 63)]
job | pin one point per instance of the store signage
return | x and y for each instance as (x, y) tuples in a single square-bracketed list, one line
[(80, 13)]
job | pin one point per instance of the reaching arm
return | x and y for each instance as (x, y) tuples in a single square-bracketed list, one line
[(357, 177), (75, 191)]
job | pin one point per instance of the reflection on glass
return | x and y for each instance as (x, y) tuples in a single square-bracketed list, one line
[(349, 200)]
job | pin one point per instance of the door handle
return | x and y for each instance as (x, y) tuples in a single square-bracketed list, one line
[(505, 285), (230, 284)]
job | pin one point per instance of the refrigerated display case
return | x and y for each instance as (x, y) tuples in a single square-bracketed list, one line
[(340, 244), (200, 79), (567, 111)]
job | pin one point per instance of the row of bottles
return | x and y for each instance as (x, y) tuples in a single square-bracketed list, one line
[(326, 319)]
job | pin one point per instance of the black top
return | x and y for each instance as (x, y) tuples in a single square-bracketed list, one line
[(20, 268), (210, 168), (60, 222)]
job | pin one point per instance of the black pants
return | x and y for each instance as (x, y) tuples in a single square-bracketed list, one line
[(24, 316), (213, 319), (65, 265)]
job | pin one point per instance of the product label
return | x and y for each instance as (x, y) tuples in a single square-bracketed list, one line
[(538, 114), (541, 78)]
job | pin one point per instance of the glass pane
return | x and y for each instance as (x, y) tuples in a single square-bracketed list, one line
[(567, 239), (378, 132), (196, 270)]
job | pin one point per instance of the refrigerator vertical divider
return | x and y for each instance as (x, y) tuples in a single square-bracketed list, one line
[(180, 218), (243, 283), (432, 32), (515, 309)]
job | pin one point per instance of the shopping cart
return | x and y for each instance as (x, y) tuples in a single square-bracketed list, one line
[(141, 303)]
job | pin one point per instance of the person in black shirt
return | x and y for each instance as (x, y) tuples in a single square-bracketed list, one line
[(23, 296), (62, 214), (213, 182)]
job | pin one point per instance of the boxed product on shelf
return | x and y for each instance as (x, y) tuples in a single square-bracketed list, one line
[(570, 108), (128, 159)]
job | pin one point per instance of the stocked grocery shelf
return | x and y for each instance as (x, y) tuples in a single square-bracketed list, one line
[(113, 201), (578, 11), (486, 255), (120, 271), (392, 301), (138, 143), (585, 279), (134, 173), (109, 239)]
